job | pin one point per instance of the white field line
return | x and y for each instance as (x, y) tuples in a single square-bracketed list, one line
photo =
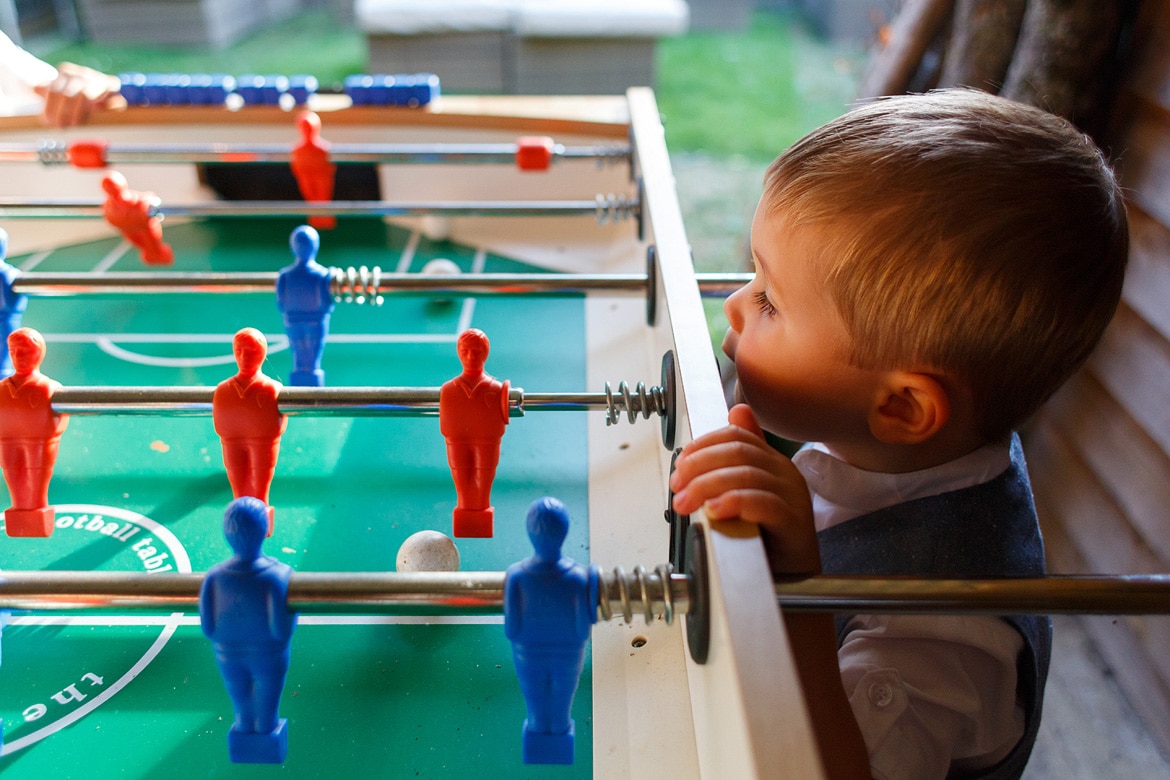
[(110, 343)]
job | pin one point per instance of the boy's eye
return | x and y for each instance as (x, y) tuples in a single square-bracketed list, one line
[(765, 305)]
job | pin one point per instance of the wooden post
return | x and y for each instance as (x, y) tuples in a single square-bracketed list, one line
[(983, 40), (1063, 58), (911, 33)]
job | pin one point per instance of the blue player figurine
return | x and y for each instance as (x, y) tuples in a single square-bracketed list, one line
[(243, 608), (304, 298), (550, 604), (12, 305)]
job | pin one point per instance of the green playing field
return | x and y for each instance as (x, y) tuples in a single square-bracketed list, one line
[(132, 694)]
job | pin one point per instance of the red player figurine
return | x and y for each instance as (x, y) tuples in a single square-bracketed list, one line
[(473, 410), (130, 212), (248, 420), (310, 165), (30, 433)]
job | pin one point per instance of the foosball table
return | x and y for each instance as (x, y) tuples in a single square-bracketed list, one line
[(544, 230), (569, 253)]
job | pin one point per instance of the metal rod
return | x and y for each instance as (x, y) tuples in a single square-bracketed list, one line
[(45, 284), (318, 401), (1089, 595), (450, 593), (722, 285), (49, 285), (616, 208), (316, 592), (56, 152), (388, 592)]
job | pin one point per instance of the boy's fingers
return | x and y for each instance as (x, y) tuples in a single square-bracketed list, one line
[(787, 529), (721, 436), (742, 416), (713, 484), (721, 455), (749, 505)]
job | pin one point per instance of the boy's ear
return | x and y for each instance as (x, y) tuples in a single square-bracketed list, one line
[(910, 408)]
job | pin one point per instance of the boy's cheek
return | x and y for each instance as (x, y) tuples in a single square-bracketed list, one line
[(750, 387)]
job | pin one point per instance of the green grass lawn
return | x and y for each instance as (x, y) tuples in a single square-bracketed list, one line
[(752, 93), (311, 42)]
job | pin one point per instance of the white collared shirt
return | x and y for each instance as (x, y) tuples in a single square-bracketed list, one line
[(19, 73), (929, 692)]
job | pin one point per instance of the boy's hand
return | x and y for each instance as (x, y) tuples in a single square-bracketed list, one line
[(733, 473), (76, 92)]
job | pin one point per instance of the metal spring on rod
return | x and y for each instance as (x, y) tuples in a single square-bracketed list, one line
[(645, 401), (609, 156), (648, 593), (52, 152), (356, 285), (615, 208)]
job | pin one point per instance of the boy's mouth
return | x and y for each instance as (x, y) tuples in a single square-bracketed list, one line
[(730, 339)]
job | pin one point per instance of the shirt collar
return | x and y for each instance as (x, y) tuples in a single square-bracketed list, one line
[(842, 492)]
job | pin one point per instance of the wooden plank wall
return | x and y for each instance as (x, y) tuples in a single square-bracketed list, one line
[(1100, 451)]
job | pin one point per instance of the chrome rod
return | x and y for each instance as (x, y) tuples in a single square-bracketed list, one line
[(318, 401), (56, 152), (47, 284), (317, 592), (1072, 594), (55, 209), (475, 592), (389, 591)]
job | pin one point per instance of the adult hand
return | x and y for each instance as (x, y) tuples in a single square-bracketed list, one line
[(76, 92)]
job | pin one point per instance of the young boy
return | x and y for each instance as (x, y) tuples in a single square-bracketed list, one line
[(929, 270)]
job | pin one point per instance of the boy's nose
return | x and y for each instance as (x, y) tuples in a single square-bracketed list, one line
[(733, 308)]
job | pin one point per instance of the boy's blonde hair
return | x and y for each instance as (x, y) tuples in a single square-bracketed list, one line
[(963, 234)]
